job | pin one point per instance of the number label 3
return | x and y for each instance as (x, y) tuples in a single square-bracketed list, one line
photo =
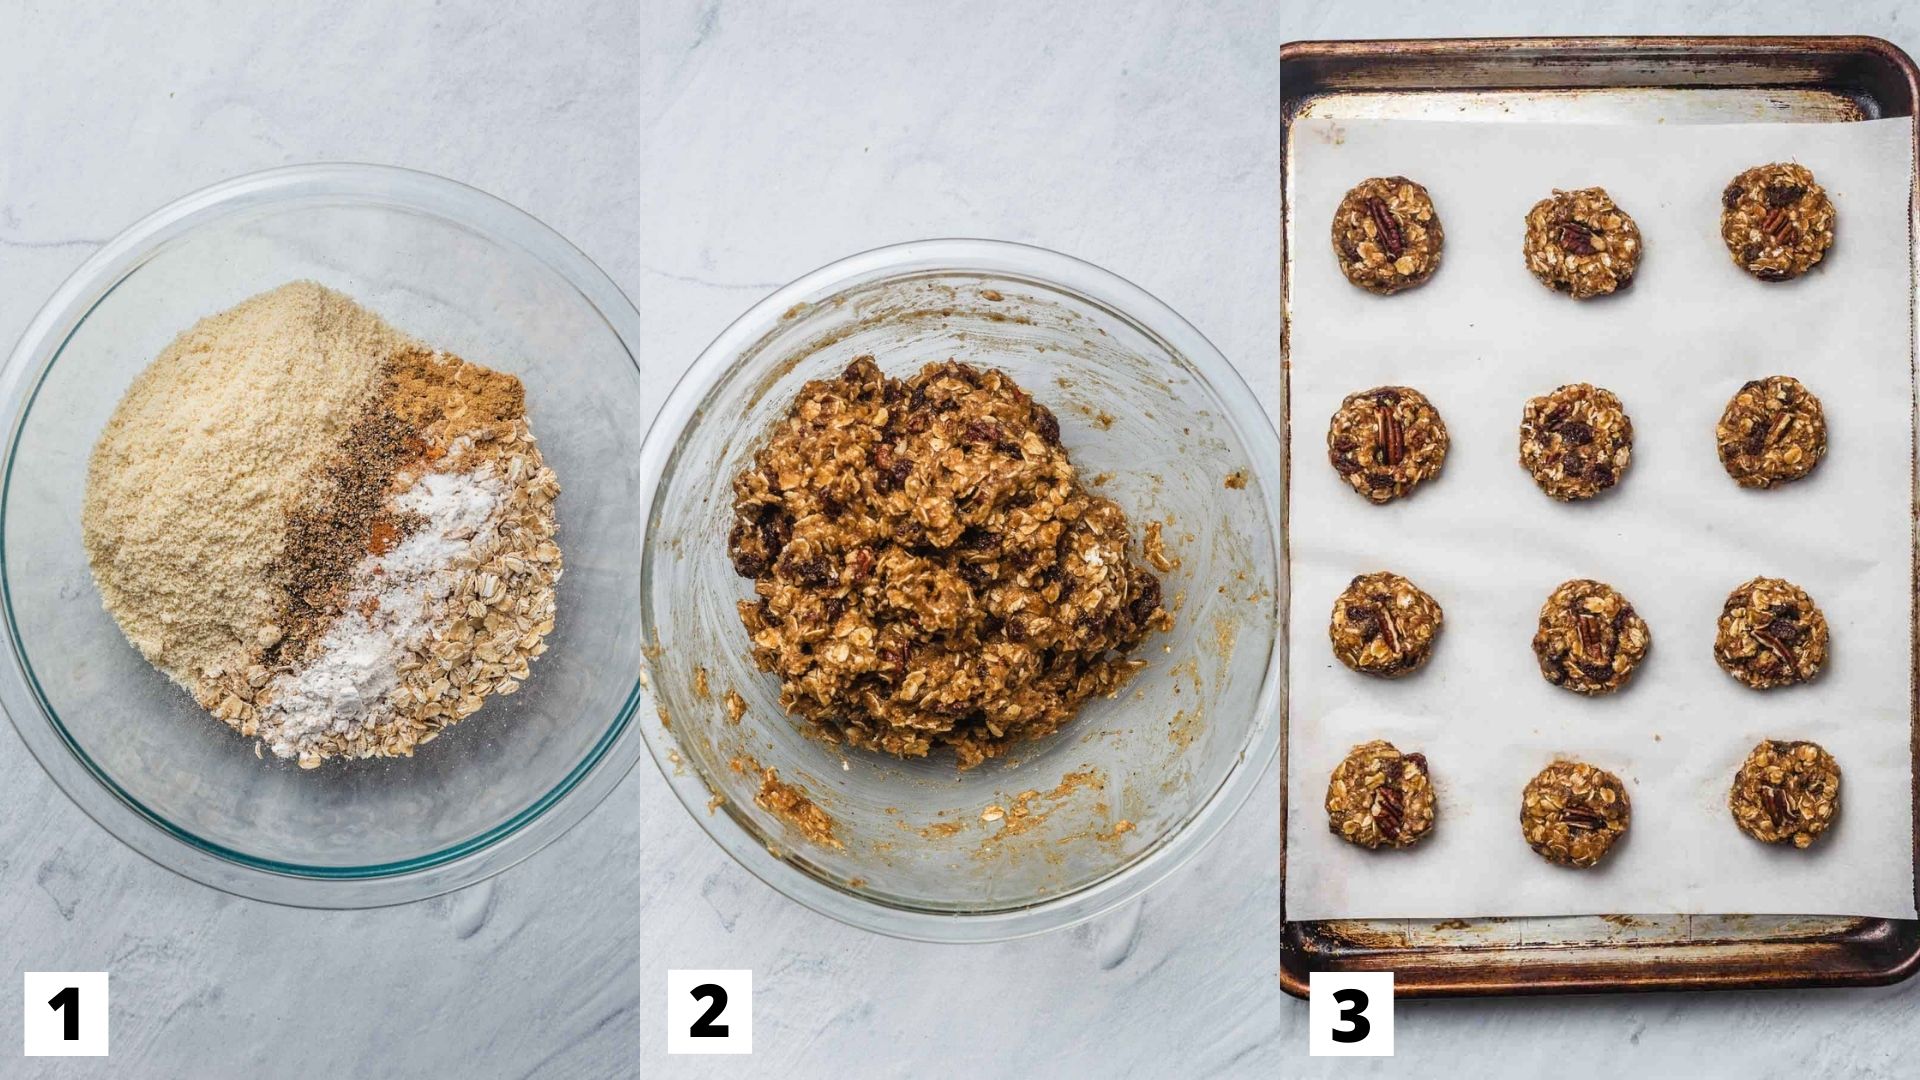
[(1350, 1014), (709, 1012)]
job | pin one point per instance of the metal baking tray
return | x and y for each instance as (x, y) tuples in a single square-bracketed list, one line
[(1629, 79)]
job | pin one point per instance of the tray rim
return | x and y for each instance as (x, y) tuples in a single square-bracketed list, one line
[(1604, 968)]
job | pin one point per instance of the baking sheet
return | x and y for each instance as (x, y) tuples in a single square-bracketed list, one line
[(1675, 537)]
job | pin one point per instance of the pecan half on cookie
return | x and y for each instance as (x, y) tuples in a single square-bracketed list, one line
[(1572, 813), (1384, 625), (1387, 235), (1590, 638), (1773, 432), (1383, 442), (1786, 792), (1576, 442), (1581, 244), (1776, 221), (1771, 634), (1379, 797)]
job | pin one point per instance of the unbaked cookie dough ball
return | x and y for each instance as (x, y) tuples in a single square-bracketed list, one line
[(1581, 244), (1773, 432), (1384, 625), (1771, 634), (1385, 441), (1379, 797), (1576, 442), (1777, 222), (1572, 813), (1786, 792), (1387, 235), (1590, 638)]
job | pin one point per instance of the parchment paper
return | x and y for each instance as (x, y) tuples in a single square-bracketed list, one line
[(1675, 537)]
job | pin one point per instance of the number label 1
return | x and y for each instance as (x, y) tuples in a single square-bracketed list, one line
[(1350, 1014), (66, 1014), (709, 1012), (67, 1004)]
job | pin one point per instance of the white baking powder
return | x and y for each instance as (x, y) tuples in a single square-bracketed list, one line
[(404, 590)]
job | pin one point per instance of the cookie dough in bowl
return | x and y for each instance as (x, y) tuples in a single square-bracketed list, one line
[(944, 701), (930, 571), (1387, 235)]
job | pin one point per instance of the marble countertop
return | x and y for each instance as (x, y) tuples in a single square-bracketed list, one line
[(110, 114)]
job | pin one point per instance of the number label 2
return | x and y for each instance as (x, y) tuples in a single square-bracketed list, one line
[(705, 1028), (709, 1011)]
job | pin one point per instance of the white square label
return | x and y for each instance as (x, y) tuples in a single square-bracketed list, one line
[(709, 1012), (66, 1014), (1350, 1013)]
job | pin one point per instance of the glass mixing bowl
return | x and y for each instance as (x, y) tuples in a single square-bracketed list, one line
[(462, 271), (1060, 829)]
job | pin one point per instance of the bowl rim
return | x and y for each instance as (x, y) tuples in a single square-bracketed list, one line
[(717, 363), (85, 783)]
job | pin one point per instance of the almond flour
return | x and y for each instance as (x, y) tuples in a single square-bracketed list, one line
[(338, 540)]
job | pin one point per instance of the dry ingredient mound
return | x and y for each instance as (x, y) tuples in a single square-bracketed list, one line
[(337, 539), (930, 571)]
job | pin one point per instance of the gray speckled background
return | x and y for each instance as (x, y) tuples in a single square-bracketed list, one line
[(111, 112)]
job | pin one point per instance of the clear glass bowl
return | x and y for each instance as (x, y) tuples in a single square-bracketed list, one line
[(1152, 414), (462, 271)]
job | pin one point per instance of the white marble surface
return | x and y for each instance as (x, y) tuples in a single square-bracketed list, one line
[(110, 112), (1143, 138)]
